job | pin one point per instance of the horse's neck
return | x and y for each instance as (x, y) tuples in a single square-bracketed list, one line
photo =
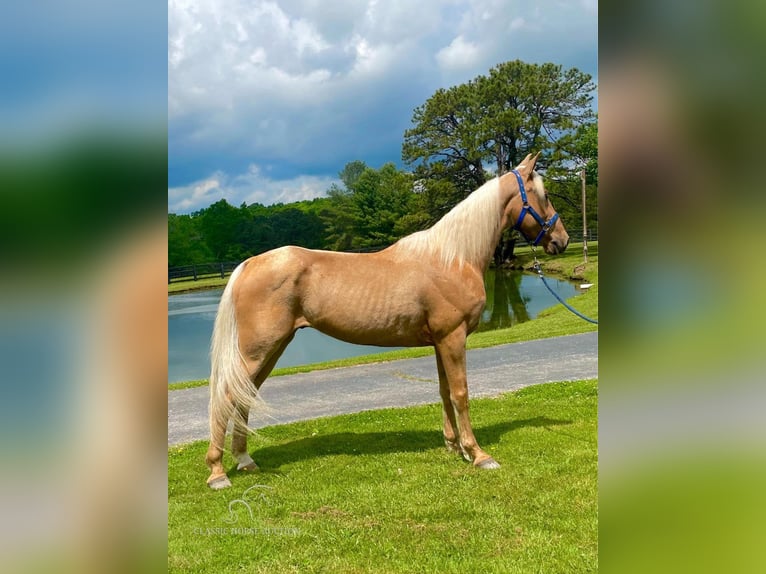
[(482, 257), (483, 263), (507, 193)]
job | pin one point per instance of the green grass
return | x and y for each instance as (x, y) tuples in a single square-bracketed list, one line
[(199, 285), (377, 492), (552, 322)]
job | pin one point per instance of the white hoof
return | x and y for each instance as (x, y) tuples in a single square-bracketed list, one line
[(246, 463), (488, 464), (219, 483)]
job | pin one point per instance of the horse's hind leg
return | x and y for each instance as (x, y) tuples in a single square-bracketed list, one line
[(214, 457), (239, 441), (260, 370)]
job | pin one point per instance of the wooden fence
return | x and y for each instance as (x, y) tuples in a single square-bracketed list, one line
[(200, 271)]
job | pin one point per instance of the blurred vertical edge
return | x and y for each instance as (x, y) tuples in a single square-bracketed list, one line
[(682, 400), (83, 252)]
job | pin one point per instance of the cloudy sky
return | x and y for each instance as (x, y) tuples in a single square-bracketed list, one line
[(268, 100)]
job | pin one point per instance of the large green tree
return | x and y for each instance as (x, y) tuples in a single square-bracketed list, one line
[(497, 119), (444, 142), (492, 122), (530, 108)]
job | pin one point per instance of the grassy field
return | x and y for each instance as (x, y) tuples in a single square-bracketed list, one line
[(377, 492), (199, 285), (550, 323)]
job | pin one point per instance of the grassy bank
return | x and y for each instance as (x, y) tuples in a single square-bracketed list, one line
[(377, 492), (199, 285), (552, 322)]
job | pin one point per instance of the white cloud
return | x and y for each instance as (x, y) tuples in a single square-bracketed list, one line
[(518, 23), (189, 198), (459, 55), (297, 83), (253, 186)]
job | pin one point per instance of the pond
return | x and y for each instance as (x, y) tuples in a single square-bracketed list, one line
[(512, 297)]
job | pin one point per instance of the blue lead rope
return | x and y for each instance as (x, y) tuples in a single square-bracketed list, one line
[(556, 295)]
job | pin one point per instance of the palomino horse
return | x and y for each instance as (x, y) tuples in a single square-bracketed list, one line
[(426, 289)]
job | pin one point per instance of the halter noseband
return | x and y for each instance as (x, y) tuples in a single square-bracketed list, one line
[(545, 226)]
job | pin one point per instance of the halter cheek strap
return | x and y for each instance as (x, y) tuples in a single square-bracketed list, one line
[(545, 226)]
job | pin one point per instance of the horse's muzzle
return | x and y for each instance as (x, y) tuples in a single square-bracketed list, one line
[(556, 246)]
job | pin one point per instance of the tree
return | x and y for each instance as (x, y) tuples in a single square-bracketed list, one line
[(375, 208), (291, 225), (351, 172), (339, 219), (585, 150), (436, 196), (578, 151), (529, 108), (186, 245), (380, 199), (222, 226), (495, 120), (444, 139)]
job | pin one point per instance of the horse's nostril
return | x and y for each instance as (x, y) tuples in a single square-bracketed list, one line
[(559, 245)]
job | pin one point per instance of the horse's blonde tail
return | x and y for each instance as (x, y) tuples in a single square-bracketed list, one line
[(230, 382)]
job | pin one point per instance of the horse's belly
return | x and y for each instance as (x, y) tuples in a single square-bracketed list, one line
[(365, 321), (381, 337)]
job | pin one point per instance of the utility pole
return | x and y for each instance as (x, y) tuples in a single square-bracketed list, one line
[(584, 221)]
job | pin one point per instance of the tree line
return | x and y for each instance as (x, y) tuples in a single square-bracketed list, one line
[(493, 120)]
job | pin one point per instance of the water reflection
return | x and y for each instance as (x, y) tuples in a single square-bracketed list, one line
[(512, 297), (506, 305)]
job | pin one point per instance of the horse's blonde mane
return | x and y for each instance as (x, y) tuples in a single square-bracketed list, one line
[(466, 234), (539, 188)]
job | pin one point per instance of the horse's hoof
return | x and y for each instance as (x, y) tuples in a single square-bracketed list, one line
[(245, 462), (488, 464), (219, 482)]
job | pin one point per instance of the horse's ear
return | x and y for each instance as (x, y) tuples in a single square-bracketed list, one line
[(529, 162), (524, 166)]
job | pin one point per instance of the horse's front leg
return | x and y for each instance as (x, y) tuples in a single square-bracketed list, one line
[(451, 353), (451, 437)]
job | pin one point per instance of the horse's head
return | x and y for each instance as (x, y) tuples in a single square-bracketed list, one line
[(531, 212)]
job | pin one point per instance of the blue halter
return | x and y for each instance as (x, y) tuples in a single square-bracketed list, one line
[(545, 226)]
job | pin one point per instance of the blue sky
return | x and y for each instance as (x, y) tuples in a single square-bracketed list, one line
[(267, 101)]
